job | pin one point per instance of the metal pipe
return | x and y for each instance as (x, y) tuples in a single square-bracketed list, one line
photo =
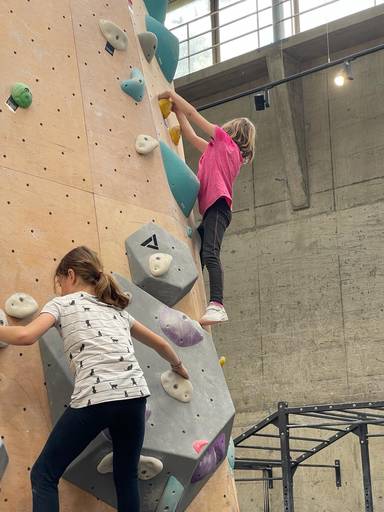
[(271, 85)]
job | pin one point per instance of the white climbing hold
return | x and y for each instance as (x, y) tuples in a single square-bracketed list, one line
[(148, 41), (145, 144), (3, 321), (115, 36), (106, 465), (21, 305), (149, 467), (176, 386), (159, 263)]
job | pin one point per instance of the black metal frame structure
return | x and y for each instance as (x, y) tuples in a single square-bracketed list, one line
[(339, 419)]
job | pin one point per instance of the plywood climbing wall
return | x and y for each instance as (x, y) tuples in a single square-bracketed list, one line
[(70, 175)]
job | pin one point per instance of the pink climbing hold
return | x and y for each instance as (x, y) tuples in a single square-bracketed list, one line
[(199, 444)]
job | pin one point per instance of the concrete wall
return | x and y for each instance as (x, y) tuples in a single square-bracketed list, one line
[(304, 289)]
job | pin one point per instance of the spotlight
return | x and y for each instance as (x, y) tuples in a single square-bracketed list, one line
[(262, 100), (346, 73)]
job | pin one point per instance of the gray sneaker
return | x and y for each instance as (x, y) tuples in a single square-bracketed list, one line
[(213, 315)]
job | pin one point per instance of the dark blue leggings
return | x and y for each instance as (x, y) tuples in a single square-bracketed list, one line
[(73, 432)]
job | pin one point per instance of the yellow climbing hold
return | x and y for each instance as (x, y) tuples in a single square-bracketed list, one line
[(222, 360), (175, 133), (166, 106)]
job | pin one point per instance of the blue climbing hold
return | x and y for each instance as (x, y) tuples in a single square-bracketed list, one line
[(171, 496), (157, 9), (183, 182), (231, 456), (135, 86), (167, 52), (189, 231)]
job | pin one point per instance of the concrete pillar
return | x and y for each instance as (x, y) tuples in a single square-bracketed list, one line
[(277, 16), (287, 99)]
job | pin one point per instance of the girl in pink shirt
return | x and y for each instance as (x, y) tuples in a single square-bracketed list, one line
[(230, 146)]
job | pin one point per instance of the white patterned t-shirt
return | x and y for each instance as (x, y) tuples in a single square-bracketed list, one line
[(98, 349)]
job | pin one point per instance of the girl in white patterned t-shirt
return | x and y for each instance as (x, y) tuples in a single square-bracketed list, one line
[(110, 389)]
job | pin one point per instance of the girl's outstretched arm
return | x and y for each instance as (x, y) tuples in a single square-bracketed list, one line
[(189, 111), (28, 334), (164, 349), (189, 132)]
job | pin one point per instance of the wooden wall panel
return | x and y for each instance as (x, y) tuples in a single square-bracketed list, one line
[(70, 176)]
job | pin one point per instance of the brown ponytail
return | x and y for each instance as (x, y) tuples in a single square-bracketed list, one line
[(87, 265)]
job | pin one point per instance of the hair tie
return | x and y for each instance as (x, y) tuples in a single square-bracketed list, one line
[(99, 274)]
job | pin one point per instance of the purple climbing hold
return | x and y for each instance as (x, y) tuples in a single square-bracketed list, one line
[(211, 459), (179, 327), (107, 434), (147, 412)]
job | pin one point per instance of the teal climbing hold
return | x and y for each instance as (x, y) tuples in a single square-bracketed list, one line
[(231, 456), (189, 231), (135, 86), (171, 496), (167, 52), (157, 9), (182, 181), (21, 94)]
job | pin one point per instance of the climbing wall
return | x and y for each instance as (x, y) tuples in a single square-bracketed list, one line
[(70, 175)]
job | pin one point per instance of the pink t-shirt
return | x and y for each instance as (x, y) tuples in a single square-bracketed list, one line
[(219, 166)]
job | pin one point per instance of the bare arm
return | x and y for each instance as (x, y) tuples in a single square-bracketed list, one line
[(189, 111), (189, 132), (152, 340), (28, 334)]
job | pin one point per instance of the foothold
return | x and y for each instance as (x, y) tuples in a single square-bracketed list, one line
[(159, 263), (148, 412), (167, 52), (106, 465), (3, 458), (222, 361), (21, 305), (3, 321), (135, 86), (157, 9), (149, 467), (145, 144), (198, 445), (176, 386), (148, 41), (189, 231), (165, 105), (231, 454), (129, 295), (115, 36), (21, 94), (171, 496), (175, 134), (211, 459), (179, 327), (182, 181)]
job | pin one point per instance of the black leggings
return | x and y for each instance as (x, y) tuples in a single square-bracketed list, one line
[(73, 432), (215, 221)]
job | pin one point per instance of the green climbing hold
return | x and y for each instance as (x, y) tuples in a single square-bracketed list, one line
[(21, 94), (157, 9), (167, 52), (171, 495), (182, 181), (135, 86)]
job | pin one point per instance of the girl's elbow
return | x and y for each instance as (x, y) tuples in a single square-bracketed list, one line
[(26, 338)]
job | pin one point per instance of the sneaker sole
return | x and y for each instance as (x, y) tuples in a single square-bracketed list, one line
[(206, 322)]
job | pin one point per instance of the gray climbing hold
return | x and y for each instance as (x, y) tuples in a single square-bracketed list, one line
[(159, 263), (3, 458), (115, 36), (149, 467), (3, 321), (21, 305), (145, 144), (171, 496), (179, 327), (176, 386), (182, 274), (135, 86), (148, 41)]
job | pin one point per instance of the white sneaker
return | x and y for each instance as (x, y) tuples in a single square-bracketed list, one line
[(214, 315)]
